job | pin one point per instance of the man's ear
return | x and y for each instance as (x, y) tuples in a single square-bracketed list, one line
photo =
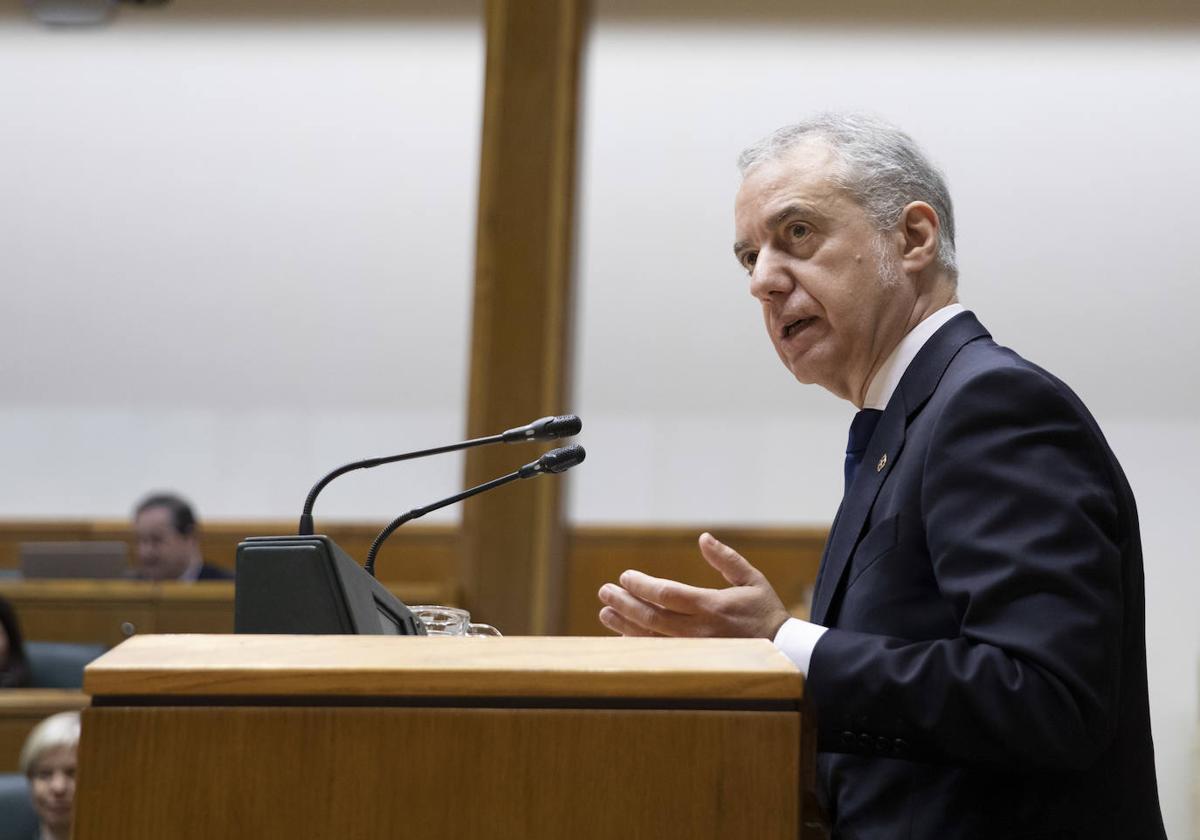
[(919, 226)]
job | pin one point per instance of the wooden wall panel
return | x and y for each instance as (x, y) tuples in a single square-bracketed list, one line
[(596, 555), (420, 564)]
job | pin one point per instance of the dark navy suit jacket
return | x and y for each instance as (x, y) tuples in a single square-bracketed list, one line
[(985, 674), (211, 572)]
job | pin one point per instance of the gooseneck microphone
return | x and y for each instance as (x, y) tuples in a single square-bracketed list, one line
[(554, 461), (546, 428)]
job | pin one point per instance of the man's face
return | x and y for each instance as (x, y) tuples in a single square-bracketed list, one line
[(52, 785), (162, 552), (834, 299)]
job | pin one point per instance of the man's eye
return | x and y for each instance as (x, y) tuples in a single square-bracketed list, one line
[(797, 230), (748, 259)]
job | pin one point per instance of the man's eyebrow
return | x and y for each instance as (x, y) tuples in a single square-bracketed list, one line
[(793, 210), (787, 212)]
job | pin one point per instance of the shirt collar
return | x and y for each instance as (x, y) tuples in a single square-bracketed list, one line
[(887, 378), (192, 573)]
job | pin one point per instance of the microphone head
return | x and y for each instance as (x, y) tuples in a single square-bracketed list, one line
[(547, 428), (566, 426), (562, 459)]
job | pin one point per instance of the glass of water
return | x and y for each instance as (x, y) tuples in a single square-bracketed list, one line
[(450, 621)]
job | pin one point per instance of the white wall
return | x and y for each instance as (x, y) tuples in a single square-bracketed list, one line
[(234, 255), (1071, 159)]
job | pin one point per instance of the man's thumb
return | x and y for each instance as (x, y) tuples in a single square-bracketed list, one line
[(733, 567)]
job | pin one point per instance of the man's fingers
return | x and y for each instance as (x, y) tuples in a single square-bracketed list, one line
[(733, 567), (634, 610), (618, 623), (669, 594)]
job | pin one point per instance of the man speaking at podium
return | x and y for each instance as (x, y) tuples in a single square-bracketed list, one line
[(976, 657)]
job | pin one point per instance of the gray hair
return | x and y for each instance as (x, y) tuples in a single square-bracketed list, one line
[(60, 730), (882, 168)]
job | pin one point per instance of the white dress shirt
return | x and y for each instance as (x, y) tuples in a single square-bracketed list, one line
[(797, 638)]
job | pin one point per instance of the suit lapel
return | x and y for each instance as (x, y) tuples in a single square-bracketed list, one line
[(914, 390)]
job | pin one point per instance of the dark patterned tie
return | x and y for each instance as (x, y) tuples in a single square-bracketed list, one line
[(861, 429)]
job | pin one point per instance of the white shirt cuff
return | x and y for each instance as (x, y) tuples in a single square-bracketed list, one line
[(796, 639)]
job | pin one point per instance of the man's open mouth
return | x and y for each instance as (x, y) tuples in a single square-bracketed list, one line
[(795, 326)]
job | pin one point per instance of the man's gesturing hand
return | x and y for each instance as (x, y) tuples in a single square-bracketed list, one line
[(647, 606)]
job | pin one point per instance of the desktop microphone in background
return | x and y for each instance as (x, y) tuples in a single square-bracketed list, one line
[(555, 461), (546, 428)]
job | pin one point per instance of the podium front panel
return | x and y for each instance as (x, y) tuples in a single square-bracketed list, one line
[(177, 749)]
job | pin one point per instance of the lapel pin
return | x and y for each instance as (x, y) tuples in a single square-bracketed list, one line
[(882, 463)]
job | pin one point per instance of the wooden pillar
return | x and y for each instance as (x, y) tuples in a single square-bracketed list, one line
[(512, 558)]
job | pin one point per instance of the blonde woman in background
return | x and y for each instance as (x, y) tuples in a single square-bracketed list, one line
[(48, 761)]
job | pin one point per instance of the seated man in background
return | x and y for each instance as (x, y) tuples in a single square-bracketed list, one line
[(168, 541), (48, 761)]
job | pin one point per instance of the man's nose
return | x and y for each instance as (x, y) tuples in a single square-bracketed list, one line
[(769, 276)]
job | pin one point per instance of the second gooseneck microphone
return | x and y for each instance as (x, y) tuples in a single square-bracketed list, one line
[(554, 461), (545, 428)]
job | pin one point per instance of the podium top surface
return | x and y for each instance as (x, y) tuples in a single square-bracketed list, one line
[(174, 666)]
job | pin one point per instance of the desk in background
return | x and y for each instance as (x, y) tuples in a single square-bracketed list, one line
[(110, 611), (425, 553)]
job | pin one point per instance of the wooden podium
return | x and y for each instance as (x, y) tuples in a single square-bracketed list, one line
[(266, 737)]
